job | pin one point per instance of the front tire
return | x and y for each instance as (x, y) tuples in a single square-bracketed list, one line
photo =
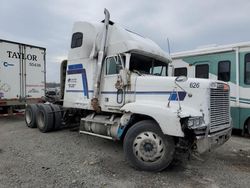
[(147, 148)]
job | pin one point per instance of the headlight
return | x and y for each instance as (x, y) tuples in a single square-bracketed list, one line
[(195, 122), (213, 85)]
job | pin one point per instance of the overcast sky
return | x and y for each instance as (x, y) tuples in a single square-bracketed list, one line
[(187, 23)]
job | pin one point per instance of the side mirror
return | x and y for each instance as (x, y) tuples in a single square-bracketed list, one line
[(181, 79), (122, 79)]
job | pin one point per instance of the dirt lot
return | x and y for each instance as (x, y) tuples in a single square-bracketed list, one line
[(29, 158)]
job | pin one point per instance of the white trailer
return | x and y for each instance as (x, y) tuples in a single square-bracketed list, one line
[(116, 87), (22, 75)]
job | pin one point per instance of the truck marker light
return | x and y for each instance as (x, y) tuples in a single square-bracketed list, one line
[(226, 87)]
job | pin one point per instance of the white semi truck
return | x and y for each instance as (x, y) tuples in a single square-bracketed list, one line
[(22, 75), (116, 87)]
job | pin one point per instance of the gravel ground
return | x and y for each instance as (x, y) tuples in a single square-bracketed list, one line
[(64, 158)]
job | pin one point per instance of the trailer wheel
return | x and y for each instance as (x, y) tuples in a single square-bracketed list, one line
[(30, 115), (147, 148), (57, 116), (45, 119)]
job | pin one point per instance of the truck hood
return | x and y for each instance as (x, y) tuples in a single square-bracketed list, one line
[(192, 98)]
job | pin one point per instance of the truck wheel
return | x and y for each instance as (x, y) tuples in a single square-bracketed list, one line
[(45, 119), (30, 115), (147, 148), (57, 116)]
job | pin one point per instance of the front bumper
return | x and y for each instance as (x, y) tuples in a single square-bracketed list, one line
[(212, 141)]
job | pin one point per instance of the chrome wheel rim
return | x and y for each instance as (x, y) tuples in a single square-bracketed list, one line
[(28, 116), (148, 147)]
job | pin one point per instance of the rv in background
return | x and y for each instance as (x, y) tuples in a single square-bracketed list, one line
[(229, 63), (22, 76)]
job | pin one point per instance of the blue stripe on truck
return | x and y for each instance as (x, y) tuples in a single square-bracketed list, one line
[(78, 69), (174, 97), (75, 66)]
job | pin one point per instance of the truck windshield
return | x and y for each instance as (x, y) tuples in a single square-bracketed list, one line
[(147, 65)]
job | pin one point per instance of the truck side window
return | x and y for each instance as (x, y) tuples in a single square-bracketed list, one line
[(224, 70), (147, 65), (247, 69), (76, 40), (181, 71), (201, 71), (158, 71), (158, 68), (113, 65)]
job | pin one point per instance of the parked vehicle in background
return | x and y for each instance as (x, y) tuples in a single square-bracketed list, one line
[(52, 95), (116, 87), (229, 63), (22, 75)]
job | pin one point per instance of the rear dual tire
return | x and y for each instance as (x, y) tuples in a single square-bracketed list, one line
[(57, 114), (46, 117), (30, 115), (49, 118)]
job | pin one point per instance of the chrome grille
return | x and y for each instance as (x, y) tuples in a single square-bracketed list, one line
[(219, 108)]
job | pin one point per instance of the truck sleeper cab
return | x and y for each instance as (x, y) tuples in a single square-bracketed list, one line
[(116, 87)]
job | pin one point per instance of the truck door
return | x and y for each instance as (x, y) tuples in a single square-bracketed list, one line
[(10, 71), (34, 76), (112, 97)]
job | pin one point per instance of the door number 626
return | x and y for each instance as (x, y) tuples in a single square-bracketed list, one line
[(194, 85)]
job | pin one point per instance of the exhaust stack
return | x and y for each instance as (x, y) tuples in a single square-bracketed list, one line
[(101, 54)]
